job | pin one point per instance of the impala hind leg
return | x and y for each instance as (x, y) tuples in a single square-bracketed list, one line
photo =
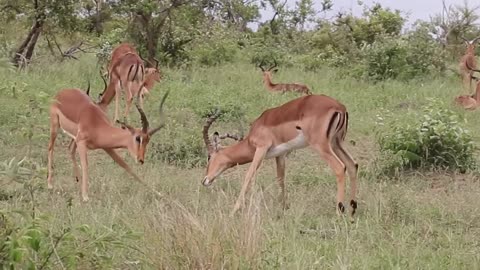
[(54, 125), (338, 168), (82, 152), (73, 149), (352, 169)]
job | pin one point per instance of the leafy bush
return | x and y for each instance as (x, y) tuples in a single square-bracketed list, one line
[(184, 146), (29, 241), (215, 53), (435, 140), (402, 58)]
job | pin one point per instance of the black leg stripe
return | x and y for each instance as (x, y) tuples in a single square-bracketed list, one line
[(331, 123)]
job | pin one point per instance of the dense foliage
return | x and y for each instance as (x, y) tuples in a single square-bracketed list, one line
[(434, 139), (374, 46)]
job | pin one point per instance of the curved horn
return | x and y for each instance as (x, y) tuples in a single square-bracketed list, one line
[(274, 64), (143, 117), (261, 65), (231, 136), (156, 63), (211, 118), (145, 60), (88, 88), (154, 130), (464, 39), (104, 83), (475, 39)]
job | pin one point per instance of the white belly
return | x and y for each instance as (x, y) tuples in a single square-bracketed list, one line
[(281, 149)]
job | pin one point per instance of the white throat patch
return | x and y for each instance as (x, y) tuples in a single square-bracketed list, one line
[(297, 143)]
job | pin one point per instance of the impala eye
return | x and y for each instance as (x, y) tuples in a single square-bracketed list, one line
[(138, 139)]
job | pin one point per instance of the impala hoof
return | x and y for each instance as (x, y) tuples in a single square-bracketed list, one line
[(206, 182), (85, 199)]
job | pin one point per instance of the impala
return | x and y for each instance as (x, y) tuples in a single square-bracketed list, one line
[(281, 87), (81, 119), (468, 63), (314, 120), (470, 102), (126, 71)]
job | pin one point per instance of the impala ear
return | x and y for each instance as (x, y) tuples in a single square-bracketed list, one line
[(124, 125)]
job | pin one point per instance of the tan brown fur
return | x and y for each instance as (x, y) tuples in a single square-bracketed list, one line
[(468, 63), (281, 87), (127, 72), (87, 123), (322, 121), (470, 102), (118, 53)]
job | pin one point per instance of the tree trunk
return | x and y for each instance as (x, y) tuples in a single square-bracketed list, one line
[(152, 43), (31, 44), (25, 51), (98, 18)]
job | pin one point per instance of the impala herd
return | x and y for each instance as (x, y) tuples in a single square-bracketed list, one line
[(318, 121)]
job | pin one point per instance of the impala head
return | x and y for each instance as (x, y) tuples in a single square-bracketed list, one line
[(470, 44), (152, 75), (218, 162), (140, 137), (268, 71)]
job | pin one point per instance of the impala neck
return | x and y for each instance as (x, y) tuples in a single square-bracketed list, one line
[(267, 81), (470, 50), (114, 137), (239, 153), (108, 96)]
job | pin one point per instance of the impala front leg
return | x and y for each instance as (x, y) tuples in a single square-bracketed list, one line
[(118, 90), (250, 176), (124, 165), (281, 180), (54, 125), (82, 152), (72, 149)]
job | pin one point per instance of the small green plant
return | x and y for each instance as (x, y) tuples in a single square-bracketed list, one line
[(436, 140), (29, 241)]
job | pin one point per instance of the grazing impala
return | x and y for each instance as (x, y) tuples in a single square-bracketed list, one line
[(281, 87), (80, 118), (314, 120), (126, 71), (468, 63)]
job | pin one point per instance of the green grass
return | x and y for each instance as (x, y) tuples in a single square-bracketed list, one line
[(422, 220)]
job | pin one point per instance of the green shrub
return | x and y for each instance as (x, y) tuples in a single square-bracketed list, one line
[(184, 146), (385, 59), (211, 54), (434, 140), (29, 240)]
